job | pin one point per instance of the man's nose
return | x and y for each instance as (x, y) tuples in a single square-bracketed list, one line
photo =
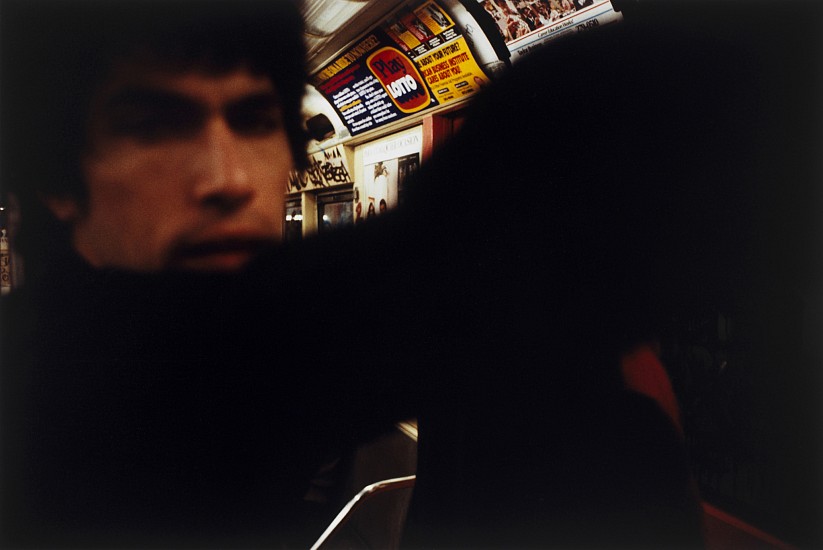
[(222, 177)]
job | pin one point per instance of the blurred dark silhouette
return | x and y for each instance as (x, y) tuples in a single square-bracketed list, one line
[(652, 171)]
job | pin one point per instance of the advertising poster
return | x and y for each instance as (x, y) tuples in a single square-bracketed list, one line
[(415, 60), (451, 71), (327, 168), (529, 24), (387, 165)]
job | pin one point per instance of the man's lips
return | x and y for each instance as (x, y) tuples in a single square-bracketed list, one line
[(220, 254)]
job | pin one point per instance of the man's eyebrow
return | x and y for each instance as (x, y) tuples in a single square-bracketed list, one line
[(165, 99)]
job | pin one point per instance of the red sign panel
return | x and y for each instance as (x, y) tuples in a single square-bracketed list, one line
[(400, 78)]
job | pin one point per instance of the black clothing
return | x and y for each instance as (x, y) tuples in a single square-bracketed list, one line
[(178, 410)]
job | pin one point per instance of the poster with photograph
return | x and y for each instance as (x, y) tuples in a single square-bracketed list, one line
[(384, 185), (379, 187), (387, 166), (529, 24)]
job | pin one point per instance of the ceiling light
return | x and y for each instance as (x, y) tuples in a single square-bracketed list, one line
[(324, 17)]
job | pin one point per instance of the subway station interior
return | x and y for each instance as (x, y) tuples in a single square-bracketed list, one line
[(392, 83)]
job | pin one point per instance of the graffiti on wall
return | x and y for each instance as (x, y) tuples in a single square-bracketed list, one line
[(326, 169)]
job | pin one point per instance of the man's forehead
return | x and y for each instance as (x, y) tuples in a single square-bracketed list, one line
[(194, 83)]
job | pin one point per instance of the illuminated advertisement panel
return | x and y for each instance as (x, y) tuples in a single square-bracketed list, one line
[(529, 24), (415, 60)]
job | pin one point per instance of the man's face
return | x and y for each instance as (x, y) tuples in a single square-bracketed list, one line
[(183, 170)]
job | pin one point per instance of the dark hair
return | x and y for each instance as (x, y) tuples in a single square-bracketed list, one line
[(55, 53)]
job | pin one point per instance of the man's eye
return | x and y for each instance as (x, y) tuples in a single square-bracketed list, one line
[(154, 125), (254, 121)]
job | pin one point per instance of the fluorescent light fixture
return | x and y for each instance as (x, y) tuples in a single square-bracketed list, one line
[(324, 17)]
